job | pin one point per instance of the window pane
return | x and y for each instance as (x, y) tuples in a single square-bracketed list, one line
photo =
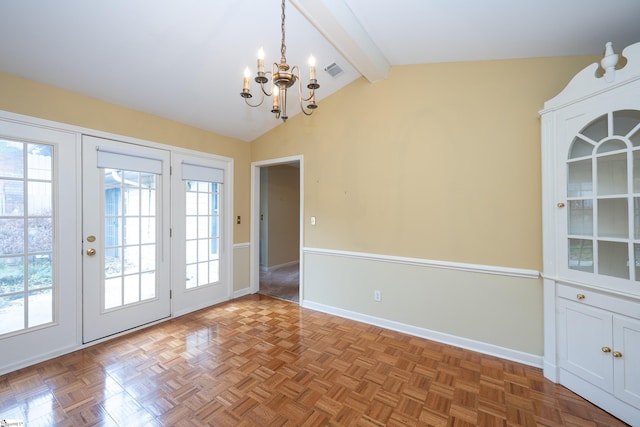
[(131, 230), (39, 162), (12, 159), (147, 258), (40, 307), (147, 286), (40, 235), (11, 275), (40, 202), (113, 292), (11, 313), (131, 289), (12, 237), (192, 276), (40, 271), (11, 197)]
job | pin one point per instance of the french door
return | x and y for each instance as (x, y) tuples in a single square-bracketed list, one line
[(125, 226)]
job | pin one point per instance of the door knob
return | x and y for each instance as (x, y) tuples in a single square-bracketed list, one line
[(91, 252)]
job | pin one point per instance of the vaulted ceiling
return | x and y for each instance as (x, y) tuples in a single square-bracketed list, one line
[(184, 60)]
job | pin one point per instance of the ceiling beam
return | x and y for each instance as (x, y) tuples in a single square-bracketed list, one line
[(337, 23)]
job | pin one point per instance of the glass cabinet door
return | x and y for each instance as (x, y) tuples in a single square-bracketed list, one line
[(603, 195)]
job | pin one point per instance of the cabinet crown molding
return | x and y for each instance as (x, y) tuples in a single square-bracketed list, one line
[(592, 80)]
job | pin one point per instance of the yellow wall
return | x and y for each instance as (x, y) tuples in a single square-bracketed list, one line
[(30, 98), (439, 161)]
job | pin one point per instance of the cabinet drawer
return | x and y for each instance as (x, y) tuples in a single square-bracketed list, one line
[(621, 305)]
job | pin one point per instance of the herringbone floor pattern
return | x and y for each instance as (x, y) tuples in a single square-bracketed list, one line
[(259, 361)]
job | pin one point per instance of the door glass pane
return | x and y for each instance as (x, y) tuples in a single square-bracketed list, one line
[(613, 218), (26, 236), (581, 255), (581, 217), (130, 236), (579, 180), (202, 233), (613, 259), (612, 174)]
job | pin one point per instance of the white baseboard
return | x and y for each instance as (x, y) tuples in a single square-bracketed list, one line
[(469, 344), (241, 293), (275, 267), (40, 358)]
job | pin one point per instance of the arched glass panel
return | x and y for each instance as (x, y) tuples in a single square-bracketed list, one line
[(624, 121), (611, 145), (580, 148), (597, 129)]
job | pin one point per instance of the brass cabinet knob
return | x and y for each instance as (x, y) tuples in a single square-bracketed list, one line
[(560, 205), (606, 350), (91, 252), (580, 296), (617, 354)]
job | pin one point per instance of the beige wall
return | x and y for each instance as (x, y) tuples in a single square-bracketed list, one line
[(27, 97), (439, 161), (283, 205)]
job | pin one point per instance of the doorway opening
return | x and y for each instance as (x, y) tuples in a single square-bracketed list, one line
[(276, 236)]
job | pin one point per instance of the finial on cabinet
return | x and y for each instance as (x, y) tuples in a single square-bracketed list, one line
[(609, 62)]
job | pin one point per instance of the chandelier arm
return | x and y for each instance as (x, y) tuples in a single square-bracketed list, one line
[(302, 99), (265, 92), (258, 104)]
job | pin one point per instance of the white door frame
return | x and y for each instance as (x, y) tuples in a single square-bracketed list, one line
[(254, 257)]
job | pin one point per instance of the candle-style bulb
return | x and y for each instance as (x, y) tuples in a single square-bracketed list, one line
[(245, 82)]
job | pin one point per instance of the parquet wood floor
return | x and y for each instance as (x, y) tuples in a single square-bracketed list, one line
[(259, 361)]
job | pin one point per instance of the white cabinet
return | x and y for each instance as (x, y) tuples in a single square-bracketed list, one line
[(591, 234), (599, 343)]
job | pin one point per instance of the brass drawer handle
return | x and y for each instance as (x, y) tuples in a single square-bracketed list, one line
[(617, 354), (580, 296), (560, 205), (606, 350)]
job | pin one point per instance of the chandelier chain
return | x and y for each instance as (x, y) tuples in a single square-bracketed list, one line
[(283, 46)]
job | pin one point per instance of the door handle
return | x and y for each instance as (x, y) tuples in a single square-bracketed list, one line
[(91, 252)]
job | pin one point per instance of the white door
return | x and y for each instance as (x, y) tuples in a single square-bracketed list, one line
[(626, 337), (199, 272), (126, 269), (585, 341)]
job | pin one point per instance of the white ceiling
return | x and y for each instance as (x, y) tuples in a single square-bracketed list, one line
[(184, 60)]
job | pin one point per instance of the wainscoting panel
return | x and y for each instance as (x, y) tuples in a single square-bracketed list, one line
[(492, 310), (241, 281)]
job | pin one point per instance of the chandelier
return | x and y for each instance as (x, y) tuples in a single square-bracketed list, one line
[(283, 77)]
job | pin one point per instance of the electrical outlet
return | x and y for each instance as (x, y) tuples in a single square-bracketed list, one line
[(377, 296)]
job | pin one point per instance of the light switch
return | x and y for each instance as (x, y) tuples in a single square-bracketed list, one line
[(313, 220)]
